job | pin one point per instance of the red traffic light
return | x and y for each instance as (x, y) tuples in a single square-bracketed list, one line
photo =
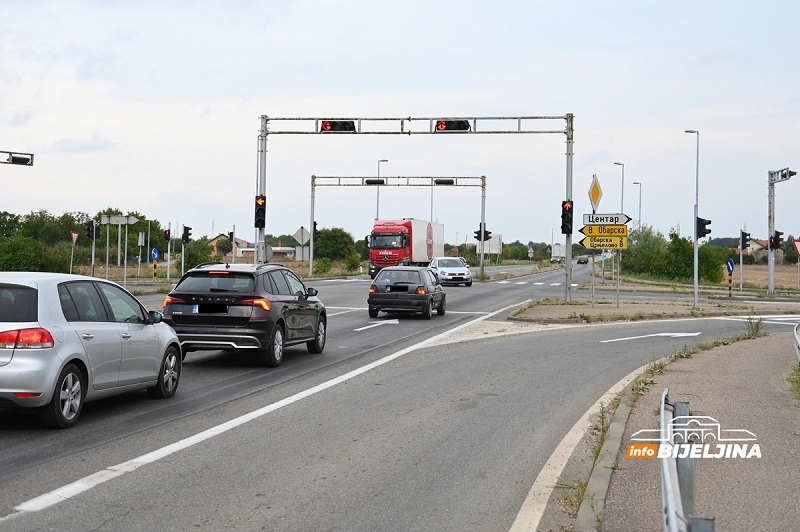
[(167, 233), (452, 125), (337, 126)]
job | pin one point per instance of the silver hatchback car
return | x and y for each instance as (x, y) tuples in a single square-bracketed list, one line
[(67, 339)]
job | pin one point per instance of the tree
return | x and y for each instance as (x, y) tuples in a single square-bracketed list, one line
[(334, 244), (646, 253), (224, 246), (196, 252), (20, 253), (9, 223)]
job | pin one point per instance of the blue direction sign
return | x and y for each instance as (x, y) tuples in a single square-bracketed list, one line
[(154, 254), (729, 265)]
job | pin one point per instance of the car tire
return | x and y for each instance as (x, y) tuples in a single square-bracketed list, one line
[(318, 343), (373, 312), (64, 408), (440, 309), (169, 374), (273, 354), (468, 284), (428, 311)]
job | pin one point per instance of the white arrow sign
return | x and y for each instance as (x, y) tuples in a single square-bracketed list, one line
[(671, 335), (371, 325)]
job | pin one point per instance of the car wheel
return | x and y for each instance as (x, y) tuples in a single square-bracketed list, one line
[(428, 309), (64, 408), (442, 305), (168, 376), (468, 284), (373, 312), (318, 343), (273, 354)]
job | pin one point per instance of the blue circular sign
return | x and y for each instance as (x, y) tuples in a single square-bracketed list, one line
[(154, 254)]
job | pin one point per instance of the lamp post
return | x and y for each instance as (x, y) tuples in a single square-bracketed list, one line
[(622, 190), (378, 194), (696, 201), (639, 220)]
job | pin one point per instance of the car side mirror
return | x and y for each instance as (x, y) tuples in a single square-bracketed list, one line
[(156, 316), (312, 291)]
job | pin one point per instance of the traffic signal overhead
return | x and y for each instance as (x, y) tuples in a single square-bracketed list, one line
[(452, 125), (702, 227), (261, 212), (337, 126), (567, 208), (187, 234)]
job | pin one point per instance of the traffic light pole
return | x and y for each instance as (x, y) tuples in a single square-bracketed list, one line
[(773, 176)]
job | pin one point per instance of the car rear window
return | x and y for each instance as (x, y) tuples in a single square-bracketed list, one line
[(216, 282), (17, 303), (398, 276)]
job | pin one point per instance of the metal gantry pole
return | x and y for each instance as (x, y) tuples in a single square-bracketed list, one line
[(311, 225), (483, 218), (261, 188), (568, 267), (771, 231)]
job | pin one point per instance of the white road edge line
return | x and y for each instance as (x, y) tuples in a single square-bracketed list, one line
[(70, 490), (535, 503)]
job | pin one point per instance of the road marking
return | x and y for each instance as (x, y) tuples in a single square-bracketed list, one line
[(385, 322), (86, 483), (671, 335)]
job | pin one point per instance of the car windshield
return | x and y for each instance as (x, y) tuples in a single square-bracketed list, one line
[(398, 277), (387, 241), (450, 263), (216, 282)]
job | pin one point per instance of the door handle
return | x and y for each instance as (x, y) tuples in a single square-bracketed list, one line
[(87, 336), (126, 336)]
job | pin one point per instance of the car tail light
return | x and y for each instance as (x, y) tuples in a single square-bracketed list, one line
[(26, 395), (373, 289), (421, 290), (26, 339), (258, 302), (169, 300)]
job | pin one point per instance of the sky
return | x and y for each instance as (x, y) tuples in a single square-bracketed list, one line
[(155, 107)]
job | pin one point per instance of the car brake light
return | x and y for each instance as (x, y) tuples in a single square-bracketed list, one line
[(26, 395), (258, 302), (421, 290), (373, 289), (169, 300), (26, 339)]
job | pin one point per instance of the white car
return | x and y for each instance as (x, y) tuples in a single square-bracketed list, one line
[(451, 270), (68, 339)]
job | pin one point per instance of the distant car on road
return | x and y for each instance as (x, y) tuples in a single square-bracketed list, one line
[(406, 289), (68, 339), (259, 308), (451, 270), (583, 259)]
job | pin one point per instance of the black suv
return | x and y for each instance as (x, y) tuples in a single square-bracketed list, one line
[(257, 307)]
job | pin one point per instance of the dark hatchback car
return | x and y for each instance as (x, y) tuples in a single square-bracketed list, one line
[(406, 289), (260, 308)]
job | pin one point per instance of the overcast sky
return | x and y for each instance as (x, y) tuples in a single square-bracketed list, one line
[(155, 106)]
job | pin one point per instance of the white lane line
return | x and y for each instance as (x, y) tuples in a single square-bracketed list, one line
[(70, 490), (670, 335), (378, 323)]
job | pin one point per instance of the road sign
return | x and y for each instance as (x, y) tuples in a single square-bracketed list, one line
[(74, 235), (154, 254), (729, 265), (605, 242), (302, 235), (595, 193), (796, 246), (606, 219), (118, 220), (605, 230)]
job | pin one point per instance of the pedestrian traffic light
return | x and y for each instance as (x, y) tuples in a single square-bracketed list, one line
[(337, 126), (745, 239), (566, 217), (315, 233), (702, 227), (187, 234), (167, 233), (452, 125), (90, 229), (261, 212), (775, 241)]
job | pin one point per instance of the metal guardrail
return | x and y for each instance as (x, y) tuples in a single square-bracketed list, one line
[(797, 341), (677, 475)]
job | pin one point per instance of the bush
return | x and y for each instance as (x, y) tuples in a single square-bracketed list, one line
[(323, 265), (352, 262)]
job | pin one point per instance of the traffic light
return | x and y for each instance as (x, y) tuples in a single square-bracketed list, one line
[(261, 212), (452, 125), (337, 126), (701, 228), (90, 229), (775, 241), (566, 217), (486, 234), (479, 234), (230, 236), (786, 174), (187, 234), (167, 233), (482, 235), (745, 239), (315, 232), (98, 231)]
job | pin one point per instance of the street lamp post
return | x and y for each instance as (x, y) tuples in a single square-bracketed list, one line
[(622, 191), (378, 194), (639, 220), (696, 201)]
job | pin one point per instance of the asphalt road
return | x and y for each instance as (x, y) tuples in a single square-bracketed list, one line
[(369, 435)]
